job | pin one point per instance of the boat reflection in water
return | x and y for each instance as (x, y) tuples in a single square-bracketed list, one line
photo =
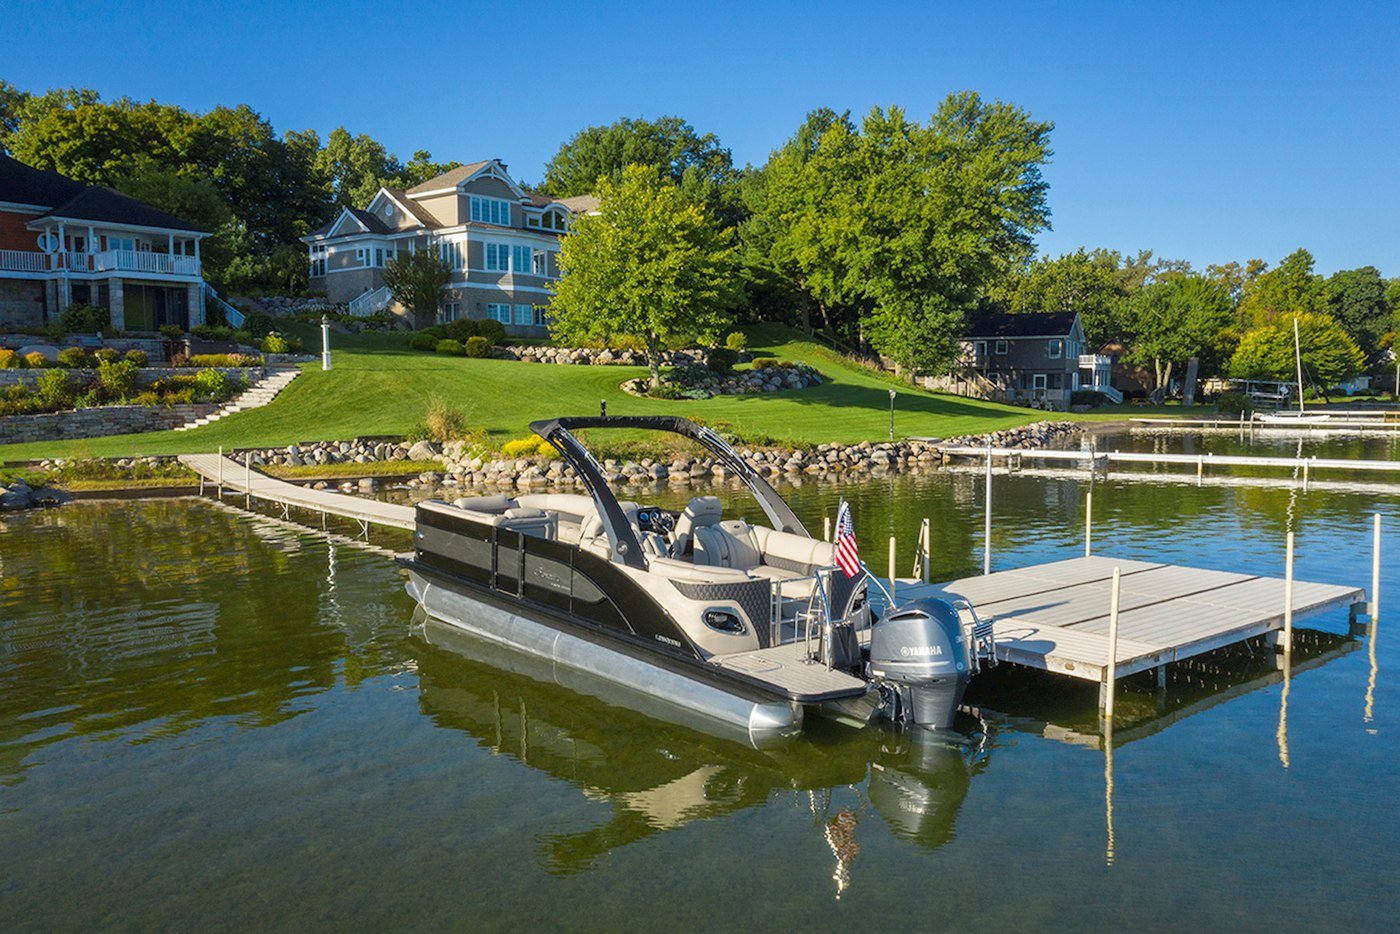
[(659, 776)]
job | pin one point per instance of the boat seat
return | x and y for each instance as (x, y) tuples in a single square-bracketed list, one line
[(491, 505), (531, 522), (592, 532), (700, 512)]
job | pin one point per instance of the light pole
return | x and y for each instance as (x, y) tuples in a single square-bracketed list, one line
[(325, 343), (891, 414)]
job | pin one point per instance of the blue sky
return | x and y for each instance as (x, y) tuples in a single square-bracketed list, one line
[(1205, 131)]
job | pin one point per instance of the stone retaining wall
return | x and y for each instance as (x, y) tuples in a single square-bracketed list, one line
[(96, 422)]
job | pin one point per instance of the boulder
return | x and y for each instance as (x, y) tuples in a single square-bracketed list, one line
[(422, 451)]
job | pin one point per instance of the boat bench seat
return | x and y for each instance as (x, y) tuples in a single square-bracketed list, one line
[(763, 552)]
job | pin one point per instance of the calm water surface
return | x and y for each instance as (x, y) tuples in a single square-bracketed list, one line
[(216, 720)]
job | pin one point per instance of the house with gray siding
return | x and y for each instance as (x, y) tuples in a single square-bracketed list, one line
[(500, 241), (63, 242), (1035, 358)]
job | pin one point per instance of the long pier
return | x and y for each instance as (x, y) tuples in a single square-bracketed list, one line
[(228, 474), (1101, 460)]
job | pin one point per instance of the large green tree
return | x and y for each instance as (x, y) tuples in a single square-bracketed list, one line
[(1357, 299), (650, 264), (1173, 319), (1090, 282), (1329, 353), (696, 163), (1289, 288)]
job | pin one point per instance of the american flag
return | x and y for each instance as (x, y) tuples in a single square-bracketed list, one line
[(847, 554)]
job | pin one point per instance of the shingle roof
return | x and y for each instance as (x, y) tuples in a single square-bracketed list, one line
[(24, 184), (1026, 324), (71, 200), (100, 203), (581, 204), (401, 198), (450, 178)]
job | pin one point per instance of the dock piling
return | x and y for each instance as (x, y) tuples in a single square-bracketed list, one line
[(987, 523), (1110, 682), (221, 471), (826, 528), (248, 478), (1375, 567), (892, 571), (1088, 523), (925, 546), (1288, 598)]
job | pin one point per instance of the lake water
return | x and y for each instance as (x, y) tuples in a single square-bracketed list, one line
[(214, 720)]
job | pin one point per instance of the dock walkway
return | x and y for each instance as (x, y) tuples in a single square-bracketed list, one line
[(1055, 616), (239, 478)]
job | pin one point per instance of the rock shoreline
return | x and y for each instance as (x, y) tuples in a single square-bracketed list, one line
[(465, 468)]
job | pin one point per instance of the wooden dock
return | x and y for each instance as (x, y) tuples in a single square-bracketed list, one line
[(1055, 616), (228, 474)]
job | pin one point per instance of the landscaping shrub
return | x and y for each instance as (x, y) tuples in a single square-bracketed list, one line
[(212, 332), (478, 347), (1088, 397), (1234, 402), (259, 324), (36, 360), (528, 447), (424, 341), (17, 400), (491, 329), (443, 423), (106, 355), (148, 397), (244, 337), (222, 359), (764, 363), (436, 330), (172, 332), (275, 343), (736, 341), (211, 385), (74, 357), (138, 357), (666, 391), (721, 359), (84, 319), (630, 342), (117, 379), (9, 360), (451, 348), (54, 389), (463, 329)]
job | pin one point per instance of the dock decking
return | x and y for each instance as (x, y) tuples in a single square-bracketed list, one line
[(239, 478), (1055, 616)]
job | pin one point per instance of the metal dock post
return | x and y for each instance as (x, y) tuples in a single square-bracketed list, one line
[(1375, 569), (1110, 682), (987, 523), (1288, 597), (1088, 523)]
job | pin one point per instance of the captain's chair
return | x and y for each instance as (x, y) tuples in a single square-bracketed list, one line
[(700, 513)]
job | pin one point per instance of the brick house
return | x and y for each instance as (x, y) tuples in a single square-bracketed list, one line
[(63, 242), (501, 242)]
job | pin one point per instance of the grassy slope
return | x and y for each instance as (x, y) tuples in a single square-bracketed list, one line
[(379, 388)]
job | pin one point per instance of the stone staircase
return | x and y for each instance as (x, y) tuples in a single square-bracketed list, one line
[(256, 395)]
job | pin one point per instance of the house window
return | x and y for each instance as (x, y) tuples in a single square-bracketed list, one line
[(498, 312), (451, 311), (540, 320), (524, 314), (1001, 347), (379, 256), (121, 243), (532, 221), (360, 256), (318, 261), (490, 210), (540, 262), (521, 261), (979, 348), (1038, 381), (498, 257), (1056, 349), (451, 253)]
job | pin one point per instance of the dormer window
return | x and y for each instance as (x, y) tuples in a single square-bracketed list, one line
[(490, 210), (388, 209)]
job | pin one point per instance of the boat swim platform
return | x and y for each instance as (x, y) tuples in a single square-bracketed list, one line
[(228, 474), (1055, 616)]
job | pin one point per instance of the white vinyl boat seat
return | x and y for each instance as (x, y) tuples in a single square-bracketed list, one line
[(700, 512), (763, 552)]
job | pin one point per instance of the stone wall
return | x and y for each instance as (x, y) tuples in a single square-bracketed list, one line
[(21, 303), (96, 422)]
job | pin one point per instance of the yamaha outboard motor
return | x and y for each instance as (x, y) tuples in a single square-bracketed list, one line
[(919, 661)]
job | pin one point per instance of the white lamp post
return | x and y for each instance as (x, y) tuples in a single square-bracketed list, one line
[(325, 343)]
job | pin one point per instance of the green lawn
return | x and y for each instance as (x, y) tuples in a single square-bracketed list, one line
[(378, 387)]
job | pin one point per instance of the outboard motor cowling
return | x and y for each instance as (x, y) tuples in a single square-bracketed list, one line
[(918, 659)]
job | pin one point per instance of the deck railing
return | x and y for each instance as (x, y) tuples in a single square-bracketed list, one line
[(23, 261), (170, 264)]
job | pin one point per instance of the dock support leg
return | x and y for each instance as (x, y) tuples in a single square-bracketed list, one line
[(1110, 676), (1089, 523), (987, 521), (1375, 567), (1288, 597)]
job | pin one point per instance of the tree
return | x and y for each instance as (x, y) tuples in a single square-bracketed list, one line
[(696, 163), (1089, 282), (1329, 354), (1173, 319), (1356, 298), (416, 280), (1288, 289), (650, 264), (355, 167)]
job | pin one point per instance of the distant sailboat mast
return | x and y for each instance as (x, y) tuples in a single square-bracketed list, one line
[(1298, 354)]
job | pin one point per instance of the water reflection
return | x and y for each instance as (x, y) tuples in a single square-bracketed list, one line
[(658, 776)]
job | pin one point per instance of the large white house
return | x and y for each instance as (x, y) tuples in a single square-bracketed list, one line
[(500, 241)]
